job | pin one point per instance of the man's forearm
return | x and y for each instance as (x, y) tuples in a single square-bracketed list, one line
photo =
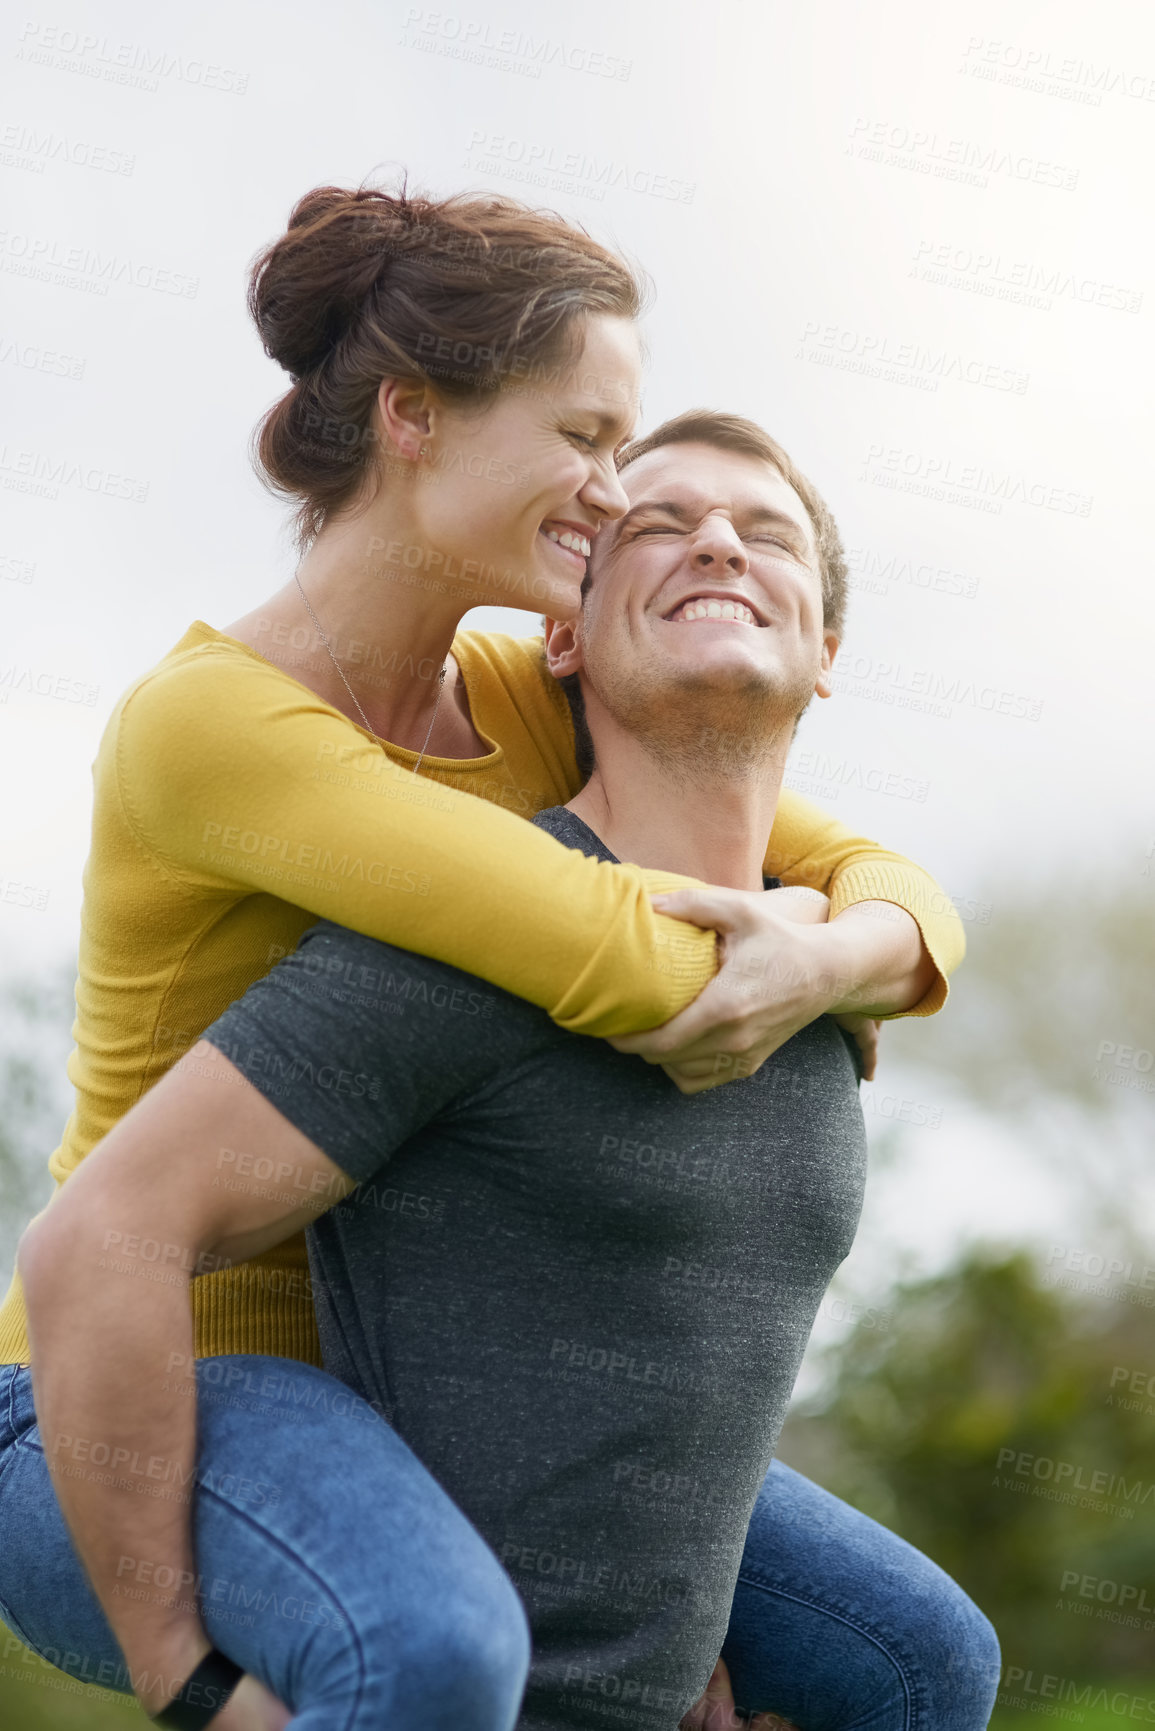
[(880, 958), (116, 1402)]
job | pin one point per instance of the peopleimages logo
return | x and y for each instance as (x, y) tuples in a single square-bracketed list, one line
[(1020, 281), (39, 682), (960, 159), (942, 478), (818, 774), (476, 41), (1030, 1685), (927, 689), (1099, 1490), (118, 62), (80, 267), (1107, 1592), (26, 147), (875, 356), (873, 571), (41, 475), (545, 164), (35, 359), (13, 892), (1051, 74)]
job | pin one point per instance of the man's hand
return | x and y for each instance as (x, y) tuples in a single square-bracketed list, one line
[(716, 1711), (777, 975)]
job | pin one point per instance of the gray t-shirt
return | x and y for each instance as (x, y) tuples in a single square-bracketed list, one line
[(580, 1296)]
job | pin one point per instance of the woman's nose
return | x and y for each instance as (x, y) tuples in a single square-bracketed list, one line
[(604, 493)]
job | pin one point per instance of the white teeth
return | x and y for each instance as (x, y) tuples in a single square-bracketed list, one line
[(575, 543), (711, 609)]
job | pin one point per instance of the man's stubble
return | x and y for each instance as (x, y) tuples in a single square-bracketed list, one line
[(699, 728)]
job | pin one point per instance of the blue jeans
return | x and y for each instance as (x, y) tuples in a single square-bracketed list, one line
[(334, 1568), (839, 1625)]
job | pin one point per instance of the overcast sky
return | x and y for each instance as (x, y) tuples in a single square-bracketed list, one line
[(913, 242)]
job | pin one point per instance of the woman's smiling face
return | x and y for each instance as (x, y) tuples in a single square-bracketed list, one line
[(524, 482)]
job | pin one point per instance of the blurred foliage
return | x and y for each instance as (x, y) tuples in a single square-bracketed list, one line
[(36, 1017), (35, 1696), (911, 1420), (1045, 980), (908, 1419), (1050, 979)]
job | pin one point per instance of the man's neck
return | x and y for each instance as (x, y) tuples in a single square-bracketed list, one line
[(706, 823)]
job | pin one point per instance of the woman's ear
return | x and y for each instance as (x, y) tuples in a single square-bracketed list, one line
[(563, 653), (404, 406)]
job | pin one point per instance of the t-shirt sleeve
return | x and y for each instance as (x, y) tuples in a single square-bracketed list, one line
[(359, 1044), (233, 777)]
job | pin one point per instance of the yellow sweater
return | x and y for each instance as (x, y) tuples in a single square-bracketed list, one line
[(233, 807)]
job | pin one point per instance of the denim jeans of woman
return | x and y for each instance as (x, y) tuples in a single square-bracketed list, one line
[(333, 1567)]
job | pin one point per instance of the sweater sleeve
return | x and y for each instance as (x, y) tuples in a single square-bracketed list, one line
[(235, 779), (807, 846)]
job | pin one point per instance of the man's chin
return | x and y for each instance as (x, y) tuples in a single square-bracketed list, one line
[(763, 691), (705, 730)]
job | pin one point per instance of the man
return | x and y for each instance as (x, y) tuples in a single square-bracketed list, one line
[(530, 1268)]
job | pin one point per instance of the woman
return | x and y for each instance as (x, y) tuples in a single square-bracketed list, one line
[(462, 375)]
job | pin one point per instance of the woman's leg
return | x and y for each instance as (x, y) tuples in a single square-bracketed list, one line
[(331, 1565), (839, 1625)]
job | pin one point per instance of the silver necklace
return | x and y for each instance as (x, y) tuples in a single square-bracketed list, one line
[(353, 694)]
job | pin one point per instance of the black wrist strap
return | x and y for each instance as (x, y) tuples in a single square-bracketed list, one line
[(202, 1694)]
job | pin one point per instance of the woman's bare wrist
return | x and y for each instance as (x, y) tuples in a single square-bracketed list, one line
[(882, 963), (807, 907), (157, 1674)]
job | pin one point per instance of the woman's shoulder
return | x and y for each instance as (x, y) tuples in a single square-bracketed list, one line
[(206, 679), (204, 653), (515, 699), (206, 703), (515, 665), (205, 658), (502, 654)]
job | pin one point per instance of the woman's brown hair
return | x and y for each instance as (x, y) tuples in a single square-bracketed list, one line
[(466, 293)]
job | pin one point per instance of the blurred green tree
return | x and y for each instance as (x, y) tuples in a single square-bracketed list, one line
[(950, 1427), (36, 1013), (990, 1364)]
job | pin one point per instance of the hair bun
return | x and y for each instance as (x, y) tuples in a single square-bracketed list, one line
[(456, 293), (315, 204), (309, 286)]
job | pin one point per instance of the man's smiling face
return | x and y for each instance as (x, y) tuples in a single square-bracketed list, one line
[(707, 592)]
